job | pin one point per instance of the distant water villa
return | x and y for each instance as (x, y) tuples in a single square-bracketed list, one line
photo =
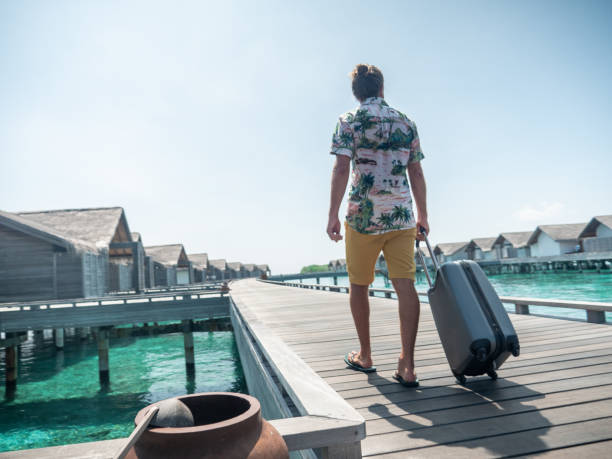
[(562, 247)]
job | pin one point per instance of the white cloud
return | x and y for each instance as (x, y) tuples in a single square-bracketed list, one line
[(539, 212)]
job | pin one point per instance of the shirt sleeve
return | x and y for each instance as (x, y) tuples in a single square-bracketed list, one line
[(343, 142), (416, 154)]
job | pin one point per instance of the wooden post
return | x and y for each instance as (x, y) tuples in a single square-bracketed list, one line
[(103, 369), (596, 317), (387, 294), (521, 308), (335, 280), (58, 336), (188, 342), (11, 357)]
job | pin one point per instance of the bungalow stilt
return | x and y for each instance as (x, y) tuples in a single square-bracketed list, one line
[(188, 342), (103, 369), (58, 337), (11, 357)]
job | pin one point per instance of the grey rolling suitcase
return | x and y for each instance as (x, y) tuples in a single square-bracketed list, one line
[(476, 332)]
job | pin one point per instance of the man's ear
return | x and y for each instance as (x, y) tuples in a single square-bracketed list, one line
[(381, 93)]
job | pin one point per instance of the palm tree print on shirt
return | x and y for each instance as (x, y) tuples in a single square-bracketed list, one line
[(386, 220), (401, 214)]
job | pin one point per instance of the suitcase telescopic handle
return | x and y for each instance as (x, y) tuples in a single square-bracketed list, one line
[(423, 231)]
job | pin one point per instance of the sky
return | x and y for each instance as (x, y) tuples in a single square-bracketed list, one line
[(210, 122)]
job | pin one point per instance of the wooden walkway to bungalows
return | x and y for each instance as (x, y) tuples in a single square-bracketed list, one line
[(554, 400)]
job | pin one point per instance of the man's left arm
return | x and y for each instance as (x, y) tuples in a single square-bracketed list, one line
[(419, 190)]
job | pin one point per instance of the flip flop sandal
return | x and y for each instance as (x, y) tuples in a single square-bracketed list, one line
[(355, 366), (405, 383)]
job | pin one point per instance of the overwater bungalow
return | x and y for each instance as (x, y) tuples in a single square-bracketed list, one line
[(236, 270), (38, 262), (598, 234), (337, 265), (218, 270), (451, 251), (513, 244), (170, 264), (252, 270), (551, 240), (265, 269), (106, 228), (201, 266), (481, 249), (148, 270)]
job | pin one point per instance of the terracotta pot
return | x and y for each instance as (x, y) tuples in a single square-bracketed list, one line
[(227, 425)]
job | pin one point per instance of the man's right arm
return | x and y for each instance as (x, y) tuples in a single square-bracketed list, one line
[(419, 190), (340, 176)]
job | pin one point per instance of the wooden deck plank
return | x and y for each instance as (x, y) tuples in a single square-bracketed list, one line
[(413, 434), (469, 398), (530, 403), (517, 443), (598, 449), (557, 394)]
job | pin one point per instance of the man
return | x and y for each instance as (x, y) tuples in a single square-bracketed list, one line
[(381, 144)]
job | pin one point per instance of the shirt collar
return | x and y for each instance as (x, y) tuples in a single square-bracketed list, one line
[(374, 100)]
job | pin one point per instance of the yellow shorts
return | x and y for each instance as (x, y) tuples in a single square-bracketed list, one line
[(362, 251)]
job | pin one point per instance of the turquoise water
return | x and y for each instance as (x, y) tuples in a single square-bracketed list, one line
[(560, 286), (59, 400)]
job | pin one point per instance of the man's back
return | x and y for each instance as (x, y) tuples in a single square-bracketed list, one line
[(381, 142)]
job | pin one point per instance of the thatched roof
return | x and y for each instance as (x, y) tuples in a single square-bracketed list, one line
[(518, 239), (567, 232), (136, 237), (97, 226), (264, 268), (485, 243), (219, 264), (450, 248), (591, 228), (199, 260), (167, 255), (45, 233), (250, 267), (235, 265)]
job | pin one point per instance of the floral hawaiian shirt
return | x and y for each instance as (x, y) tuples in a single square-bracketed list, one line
[(380, 141)]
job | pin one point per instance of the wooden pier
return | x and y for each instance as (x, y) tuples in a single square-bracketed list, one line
[(554, 400), (102, 314)]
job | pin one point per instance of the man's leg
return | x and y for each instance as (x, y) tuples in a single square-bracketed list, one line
[(409, 311), (362, 251), (399, 253), (360, 308)]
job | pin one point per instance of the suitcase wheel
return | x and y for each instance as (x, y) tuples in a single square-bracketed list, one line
[(460, 378), (492, 374)]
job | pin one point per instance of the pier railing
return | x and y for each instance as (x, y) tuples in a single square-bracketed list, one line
[(595, 311), (112, 310)]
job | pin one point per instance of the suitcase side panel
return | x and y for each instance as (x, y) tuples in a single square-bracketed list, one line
[(460, 322), (510, 338)]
